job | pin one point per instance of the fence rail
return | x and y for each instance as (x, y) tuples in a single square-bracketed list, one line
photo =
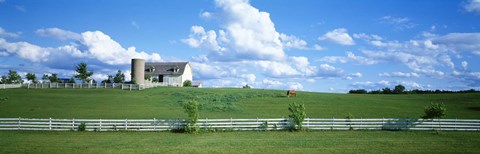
[(239, 124), (7, 86), (84, 86)]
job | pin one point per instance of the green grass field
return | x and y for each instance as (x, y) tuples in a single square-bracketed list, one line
[(166, 102), (240, 142)]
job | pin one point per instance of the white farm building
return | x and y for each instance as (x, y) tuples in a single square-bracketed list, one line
[(168, 73)]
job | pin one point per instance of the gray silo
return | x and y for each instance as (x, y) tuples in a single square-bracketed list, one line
[(138, 70)]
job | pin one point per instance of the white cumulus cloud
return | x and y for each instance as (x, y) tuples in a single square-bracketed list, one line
[(293, 42), (247, 33), (59, 34), (338, 36), (472, 6), (4, 33), (90, 46)]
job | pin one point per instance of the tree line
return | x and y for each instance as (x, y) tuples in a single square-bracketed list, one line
[(81, 70), (400, 89)]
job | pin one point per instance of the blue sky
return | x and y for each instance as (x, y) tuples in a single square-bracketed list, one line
[(311, 45)]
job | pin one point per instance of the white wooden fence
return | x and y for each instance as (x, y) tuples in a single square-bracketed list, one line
[(92, 86), (6, 86), (239, 124)]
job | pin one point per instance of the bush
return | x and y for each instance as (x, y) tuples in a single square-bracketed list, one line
[(297, 114), (349, 117), (187, 83), (358, 91), (82, 127), (191, 108), (435, 110)]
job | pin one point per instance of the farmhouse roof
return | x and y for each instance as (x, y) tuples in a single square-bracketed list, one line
[(165, 68)]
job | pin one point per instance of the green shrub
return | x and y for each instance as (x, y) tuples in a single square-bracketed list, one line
[(191, 108), (264, 126), (297, 113), (187, 83), (350, 116), (435, 110), (82, 127)]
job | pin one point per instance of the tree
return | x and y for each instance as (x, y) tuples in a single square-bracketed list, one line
[(71, 80), (399, 89), (435, 110), (13, 77), (358, 91), (191, 109), (148, 77), (45, 78), (53, 78), (386, 91), (297, 113), (83, 74), (187, 83), (32, 77), (3, 80), (119, 77)]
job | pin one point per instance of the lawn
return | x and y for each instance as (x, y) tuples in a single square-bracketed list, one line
[(166, 102), (241, 142)]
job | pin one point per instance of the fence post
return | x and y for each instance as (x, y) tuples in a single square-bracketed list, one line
[(231, 123), (361, 122), (19, 119), (455, 124), (28, 86), (431, 124), (308, 122), (333, 120), (206, 122), (50, 123), (100, 125), (73, 124), (126, 121), (154, 124), (440, 125)]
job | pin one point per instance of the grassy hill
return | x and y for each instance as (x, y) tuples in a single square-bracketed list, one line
[(166, 102)]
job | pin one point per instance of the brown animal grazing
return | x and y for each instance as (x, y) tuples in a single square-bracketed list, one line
[(291, 92)]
